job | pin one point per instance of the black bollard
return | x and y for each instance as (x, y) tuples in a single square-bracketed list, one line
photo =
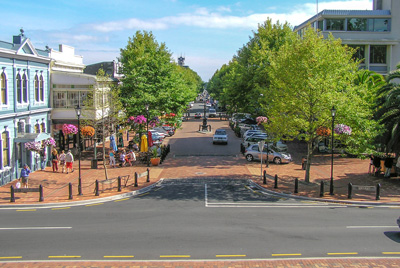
[(119, 183), (97, 188), (70, 191), (12, 194), (148, 175), (276, 181), (296, 186), (321, 191), (378, 191), (41, 198), (350, 188), (136, 179), (265, 177)]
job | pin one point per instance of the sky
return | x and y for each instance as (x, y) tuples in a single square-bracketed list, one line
[(208, 33)]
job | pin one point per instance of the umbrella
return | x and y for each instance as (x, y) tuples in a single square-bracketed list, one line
[(143, 144), (150, 138), (113, 145)]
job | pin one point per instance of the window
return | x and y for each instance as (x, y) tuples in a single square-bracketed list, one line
[(3, 89), (59, 99), (72, 99), (377, 54), (19, 93), (335, 24), (357, 24), (43, 127), (19, 154), (37, 127), (5, 143), (21, 126), (25, 88), (321, 25), (41, 88), (359, 54), (36, 88)]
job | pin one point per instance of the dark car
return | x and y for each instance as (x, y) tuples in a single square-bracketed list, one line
[(197, 115)]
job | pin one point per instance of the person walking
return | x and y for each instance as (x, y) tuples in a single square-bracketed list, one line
[(112, 158), (388, 165), (43, 158), (25, 171), (54, 160), (69, 159), (62, 160)]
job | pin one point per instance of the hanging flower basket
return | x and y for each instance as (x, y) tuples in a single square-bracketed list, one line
[(87, 131), (342, 129), (34, 146), (323, 131), (49, 142), (261, 120), (69, 129)]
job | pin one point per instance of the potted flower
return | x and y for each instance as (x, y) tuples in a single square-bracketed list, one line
[(155, 159)]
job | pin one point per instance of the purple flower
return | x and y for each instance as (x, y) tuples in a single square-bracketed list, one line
[(261, 120), (69, 129), (342, 129), (49, 142)]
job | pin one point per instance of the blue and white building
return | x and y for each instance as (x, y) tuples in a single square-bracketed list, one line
[(24, 104), (374, 33)]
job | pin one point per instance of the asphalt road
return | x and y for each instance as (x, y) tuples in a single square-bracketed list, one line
[(201, 218)]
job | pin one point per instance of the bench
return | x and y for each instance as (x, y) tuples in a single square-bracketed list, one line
[(140, 175), (26, 190)]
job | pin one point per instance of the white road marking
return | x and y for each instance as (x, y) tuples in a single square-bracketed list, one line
[(205, 195), (35, 228), (365, 227)]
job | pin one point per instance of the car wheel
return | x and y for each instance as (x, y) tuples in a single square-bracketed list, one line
[(277, 160), (226, 143), (249, 157)]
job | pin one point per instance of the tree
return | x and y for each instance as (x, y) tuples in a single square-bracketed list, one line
[(308, 77)]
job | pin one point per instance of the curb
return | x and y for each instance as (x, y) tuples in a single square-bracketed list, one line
[(83, 202)]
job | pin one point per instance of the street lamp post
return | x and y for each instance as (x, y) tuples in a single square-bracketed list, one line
[(148, 138), (333, 112), (78, 110)]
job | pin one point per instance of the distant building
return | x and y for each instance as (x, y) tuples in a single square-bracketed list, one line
[(111, 68), (25, 104), (374, 33), (181, 62)]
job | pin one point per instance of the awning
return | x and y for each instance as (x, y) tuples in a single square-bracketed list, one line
[(27, 137)]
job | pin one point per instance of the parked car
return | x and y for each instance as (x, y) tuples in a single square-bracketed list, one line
[(197, 115), (253, 140), (153, 131), (220, 136), (252, 132), (212, 113), (162, 131), (253, 153), (170, 130)]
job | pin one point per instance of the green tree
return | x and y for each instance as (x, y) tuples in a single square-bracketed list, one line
[(308, 77)]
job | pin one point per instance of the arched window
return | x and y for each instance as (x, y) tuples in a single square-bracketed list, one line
[(43, 127), (6, 149), (36, 88), (25, 88), (41, 88), (37, 127), (3, 89), (19, 93)]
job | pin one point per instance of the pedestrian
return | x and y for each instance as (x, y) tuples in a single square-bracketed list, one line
[(388, 165), (62, 160), (112, 158), (377, 164), (54, 159), (132, 157), (69, 159), (371, 169), (122, 158), (43, 158), (25, 176)]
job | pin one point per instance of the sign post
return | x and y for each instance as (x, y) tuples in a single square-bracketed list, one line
[(261, 148)]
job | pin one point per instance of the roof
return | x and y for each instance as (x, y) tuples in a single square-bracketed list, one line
[(346, 13)]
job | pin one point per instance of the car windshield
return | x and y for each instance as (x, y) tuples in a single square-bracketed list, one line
[(220, 132)]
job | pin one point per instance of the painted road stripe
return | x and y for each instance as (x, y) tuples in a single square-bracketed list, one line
[(365, 227), (121, 200), (119, 256), (63, 257), (343, 253), (11, 257), (175, 256), (144, 194), (229, 256), (286, 254), (91, 205), (60, 208), (35, 228), (26, 209), (391, 253)]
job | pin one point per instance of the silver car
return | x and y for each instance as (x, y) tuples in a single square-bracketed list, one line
[(253, 153), (220, 136)]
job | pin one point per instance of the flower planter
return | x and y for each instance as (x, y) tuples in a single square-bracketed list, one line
[(155, 161)]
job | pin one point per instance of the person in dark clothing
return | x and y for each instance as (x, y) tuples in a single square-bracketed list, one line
[(388, 166), (377, 164)]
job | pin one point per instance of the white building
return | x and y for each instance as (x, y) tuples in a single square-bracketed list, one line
[(375, 33)]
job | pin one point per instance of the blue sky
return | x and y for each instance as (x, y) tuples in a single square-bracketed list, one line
[(206, 32)]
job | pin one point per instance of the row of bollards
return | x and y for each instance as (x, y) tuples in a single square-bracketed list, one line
[(322, 187), (26, 190)]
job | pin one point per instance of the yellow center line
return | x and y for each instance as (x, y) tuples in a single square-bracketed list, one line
[(343, 253), (286, 254), (390, 253), (26, 209), (121, 200), (395, 207), (12, 257), (60, 208), (119, 256), (94, 204), (63, 257), (225, 256), (143, 194), (174, 256)]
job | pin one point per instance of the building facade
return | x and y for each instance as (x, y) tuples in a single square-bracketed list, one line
[(25, 104), (374, 33)]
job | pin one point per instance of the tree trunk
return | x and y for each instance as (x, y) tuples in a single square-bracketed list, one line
[(308, 165)]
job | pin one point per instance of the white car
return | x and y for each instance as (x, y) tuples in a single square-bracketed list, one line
[(220, 136), (251, 132), (212, 113)]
